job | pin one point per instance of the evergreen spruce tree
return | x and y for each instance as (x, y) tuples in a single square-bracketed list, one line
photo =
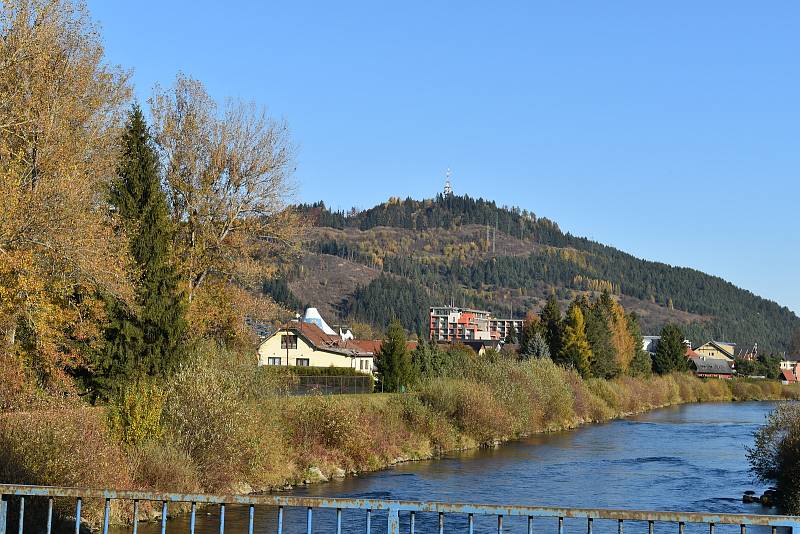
[(531, 326), (576, 349), (550, 319), (511, 338), (117, 360), (598, 332), (142, 205), (671, 352), (641, 364), (535, 347), (394, 361), (428, 360)]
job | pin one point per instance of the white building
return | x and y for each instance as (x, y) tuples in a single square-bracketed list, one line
[(650, 343)]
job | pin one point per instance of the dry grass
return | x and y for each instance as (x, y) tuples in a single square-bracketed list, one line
[(65, 448)]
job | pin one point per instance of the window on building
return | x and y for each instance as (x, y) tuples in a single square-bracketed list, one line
[(302, 362), (273, 361), (289, 341)]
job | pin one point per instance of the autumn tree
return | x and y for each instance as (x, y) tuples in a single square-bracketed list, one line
[(61, 109), (531, 325), (393, 359), (671, 352), (576, 349), (624, 344), (227, 170), (362, 330)]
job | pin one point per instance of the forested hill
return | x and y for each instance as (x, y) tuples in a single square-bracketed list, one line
[(477, 253)]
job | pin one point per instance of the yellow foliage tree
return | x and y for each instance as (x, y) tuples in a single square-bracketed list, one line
[(228, 178), (621, 338), (576, 345), (59, 120)]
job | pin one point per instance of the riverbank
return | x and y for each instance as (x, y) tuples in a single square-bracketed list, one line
[(222, 427)]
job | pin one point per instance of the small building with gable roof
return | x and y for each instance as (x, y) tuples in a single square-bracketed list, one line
[(711, 367), (721, 350)]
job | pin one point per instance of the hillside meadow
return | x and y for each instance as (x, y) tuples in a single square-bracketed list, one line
[(223, 425)]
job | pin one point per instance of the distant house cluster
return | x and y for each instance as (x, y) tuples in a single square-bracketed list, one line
[(715, 359)]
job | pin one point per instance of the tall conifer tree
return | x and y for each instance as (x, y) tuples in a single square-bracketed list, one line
[(140, 200), (671, 352), (394, 361), (598, 332), (552, 324), (642, 363)]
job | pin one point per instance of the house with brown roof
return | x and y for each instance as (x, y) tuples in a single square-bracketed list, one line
[(307, 345), (691, 354), (788, 377)]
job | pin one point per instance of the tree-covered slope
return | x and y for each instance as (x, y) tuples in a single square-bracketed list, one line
[(482, 254)]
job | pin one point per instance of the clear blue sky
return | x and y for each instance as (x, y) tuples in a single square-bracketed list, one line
[(668, 129)]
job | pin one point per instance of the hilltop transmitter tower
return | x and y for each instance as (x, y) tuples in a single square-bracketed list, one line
[(448, 189)]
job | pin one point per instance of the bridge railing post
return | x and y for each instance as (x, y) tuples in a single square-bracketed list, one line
[(3, 513), (393, 521)]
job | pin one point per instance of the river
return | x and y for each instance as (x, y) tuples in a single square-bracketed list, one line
[(688, 458)]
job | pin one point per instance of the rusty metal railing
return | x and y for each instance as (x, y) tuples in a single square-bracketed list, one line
[(392, 508)]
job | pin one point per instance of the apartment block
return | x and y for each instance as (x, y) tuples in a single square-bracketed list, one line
[(449, 323)]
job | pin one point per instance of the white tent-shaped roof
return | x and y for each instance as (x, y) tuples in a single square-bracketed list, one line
[(312, 316)]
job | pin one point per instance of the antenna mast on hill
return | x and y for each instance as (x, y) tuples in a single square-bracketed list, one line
[(448, 189)]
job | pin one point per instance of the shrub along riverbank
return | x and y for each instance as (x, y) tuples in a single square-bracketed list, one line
[(221, 425), (774, 456)]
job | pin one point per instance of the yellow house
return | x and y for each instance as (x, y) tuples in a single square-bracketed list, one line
[(719, 350), (306, 345)]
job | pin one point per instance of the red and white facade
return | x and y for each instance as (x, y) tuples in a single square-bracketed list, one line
[(448, 323)]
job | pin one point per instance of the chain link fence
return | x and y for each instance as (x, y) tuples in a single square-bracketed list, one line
[(330, 385)]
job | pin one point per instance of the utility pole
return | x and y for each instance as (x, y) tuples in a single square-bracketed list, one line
[(496, 224)]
